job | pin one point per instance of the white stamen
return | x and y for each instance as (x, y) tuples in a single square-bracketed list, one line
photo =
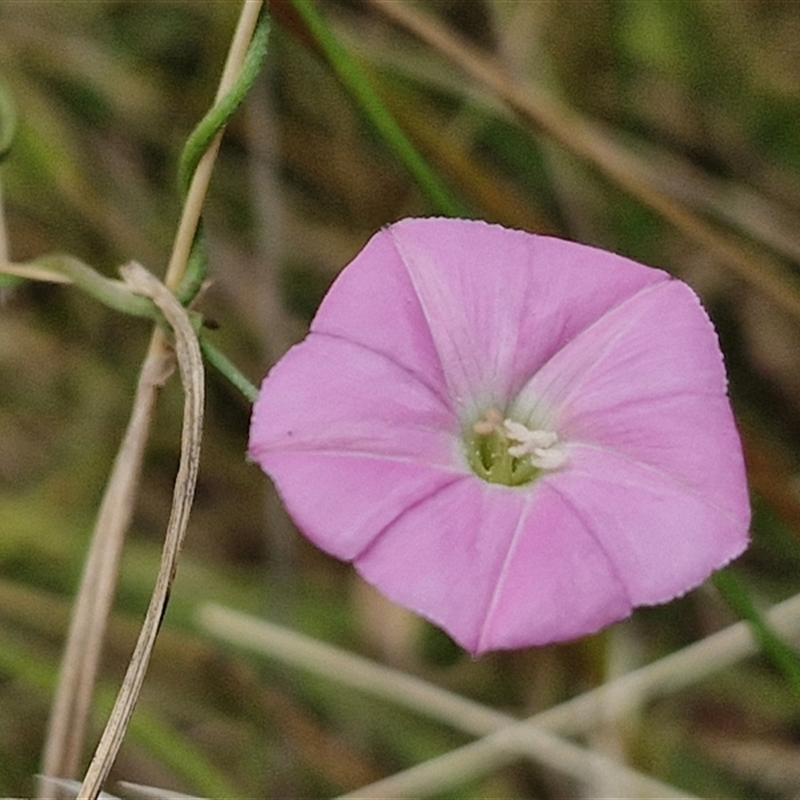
[(539, 446), (551, 458)]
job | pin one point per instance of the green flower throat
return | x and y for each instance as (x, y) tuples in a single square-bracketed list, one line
[(509, 453)]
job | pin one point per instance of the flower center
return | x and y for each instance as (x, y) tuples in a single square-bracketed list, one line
[(510, 453)]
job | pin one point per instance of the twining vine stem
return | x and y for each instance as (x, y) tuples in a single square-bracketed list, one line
[(66, 734)]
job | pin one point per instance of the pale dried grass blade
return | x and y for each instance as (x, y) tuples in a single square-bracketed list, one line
[(606, 703), (67, 731), (64, 744), (410, 692), (560, 755), (66, 787), (507, 739), (190, 364), (298, 650)]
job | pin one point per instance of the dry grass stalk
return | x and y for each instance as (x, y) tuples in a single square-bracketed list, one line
[(66, 733), (598, 147), (69, 716), (507, 738), (190, 364)]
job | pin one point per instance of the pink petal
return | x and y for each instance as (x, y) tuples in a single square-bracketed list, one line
[(344, 503), (557, 581), (443, 556), (373, 303), (662, 536), (497, 567), (647, 382), (500, 303), (330, 395), (350, 439)]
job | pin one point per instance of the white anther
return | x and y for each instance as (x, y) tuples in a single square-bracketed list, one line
[(551, 458), (538, 445)]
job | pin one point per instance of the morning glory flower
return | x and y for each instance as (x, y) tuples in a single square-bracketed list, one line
[(520, 438)]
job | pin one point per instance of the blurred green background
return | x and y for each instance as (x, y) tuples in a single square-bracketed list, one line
[(705, 94)]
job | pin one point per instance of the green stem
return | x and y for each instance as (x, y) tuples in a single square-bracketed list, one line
[(114, 294), (227, 368), (352, 76), (201, 138), (218, 115)]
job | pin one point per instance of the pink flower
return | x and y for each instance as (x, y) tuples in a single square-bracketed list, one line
[(519, 438)]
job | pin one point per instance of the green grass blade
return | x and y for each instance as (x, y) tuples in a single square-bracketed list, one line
[(355, 81), (739, 600)]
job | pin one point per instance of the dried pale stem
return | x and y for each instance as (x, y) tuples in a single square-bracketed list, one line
[(298, 650), (190, 364), (604, 704), (66, 733), (587, 140), (578, 763), (64, 746), (423, 697), (507, 738), (137, 791)]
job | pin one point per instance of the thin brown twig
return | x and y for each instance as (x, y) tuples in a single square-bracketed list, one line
[(588, 140)]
